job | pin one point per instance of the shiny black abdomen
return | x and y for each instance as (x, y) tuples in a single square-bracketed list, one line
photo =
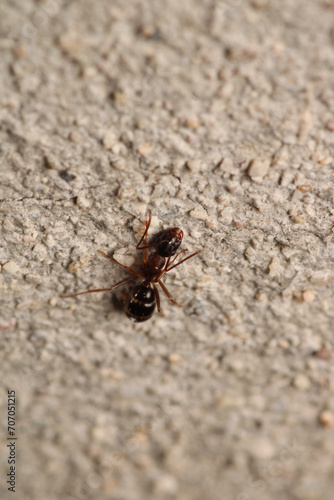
[(140, 304)]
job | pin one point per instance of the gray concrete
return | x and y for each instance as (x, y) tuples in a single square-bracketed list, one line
[(217, 116)]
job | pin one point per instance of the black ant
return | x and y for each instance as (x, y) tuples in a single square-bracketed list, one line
[(142, 299)]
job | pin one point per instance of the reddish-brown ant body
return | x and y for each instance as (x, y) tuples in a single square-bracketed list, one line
[(143, 298)]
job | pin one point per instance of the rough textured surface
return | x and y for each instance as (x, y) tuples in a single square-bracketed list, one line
[(217, 115)]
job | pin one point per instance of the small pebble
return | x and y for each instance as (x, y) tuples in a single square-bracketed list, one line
[(11, 267), (304, 188), (277, 196), (8, 324), (322, 278), (117, 148), (258, 169), (326, 418), (223, 75), (120, 96), (166, 485), (191, 122), (211, 223), (308, 296), (98, 433), (75, 137), (324, 353), (20, 52), (40, 249), (126, 193), (148, 31), (227, 165), (261, 297), (297, 216), (144, 149), (194, 166), (226, 215), (198, 213), (83, 202), (174, 359), (259, 4), (301, 382), (261, 448), (325, 161), (238, 223), (69, 43), (30, 236), (286, 178), (330, 125), (275, 267), (49, 241), (259, 206), (296, 195), (33, 279), (51, 162), (109, 139)]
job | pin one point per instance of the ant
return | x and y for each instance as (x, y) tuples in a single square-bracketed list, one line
[(142, 299)]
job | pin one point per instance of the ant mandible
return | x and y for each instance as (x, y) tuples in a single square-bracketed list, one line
[(142, 299)]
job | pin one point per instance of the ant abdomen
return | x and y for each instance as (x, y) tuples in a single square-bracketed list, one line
[(167, 242), (140, 304)]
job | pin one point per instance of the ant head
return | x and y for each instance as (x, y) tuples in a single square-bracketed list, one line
[(168, 241)]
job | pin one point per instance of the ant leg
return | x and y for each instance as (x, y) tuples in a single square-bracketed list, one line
[(144, 237), (145, 234), (127, 280), (148, 222), (125, 267), (183, 260), (168, 294), (166, 269), (176, 256), (157, 297)]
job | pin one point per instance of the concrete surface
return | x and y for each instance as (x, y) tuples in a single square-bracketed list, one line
[(217, 116)]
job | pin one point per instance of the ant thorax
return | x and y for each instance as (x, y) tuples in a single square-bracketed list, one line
[(153, 267)]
